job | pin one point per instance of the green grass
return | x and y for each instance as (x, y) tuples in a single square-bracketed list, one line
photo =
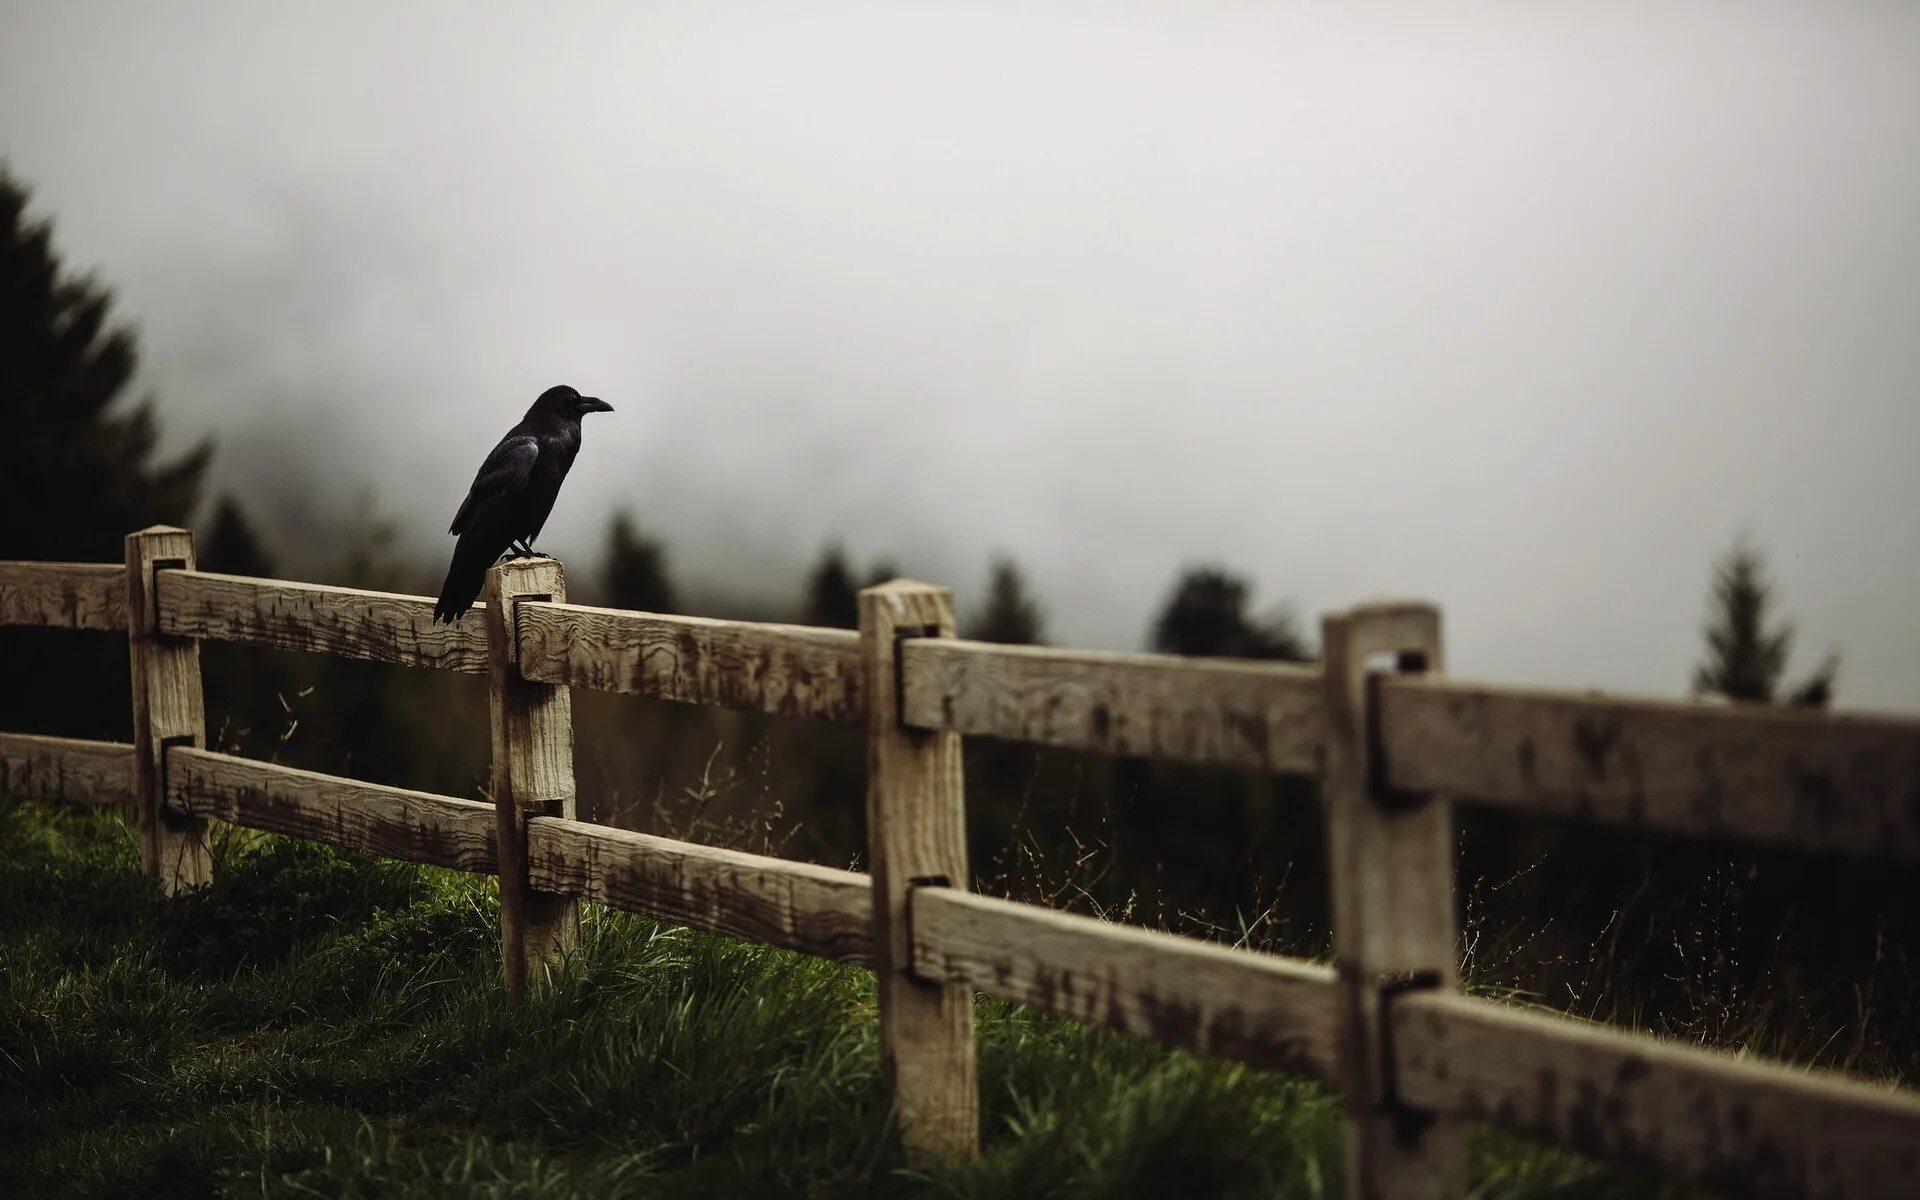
[(320, 1024)]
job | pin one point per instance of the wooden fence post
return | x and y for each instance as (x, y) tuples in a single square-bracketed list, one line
[(532, 776), (168, 710), (1390, 862), (916, 834)]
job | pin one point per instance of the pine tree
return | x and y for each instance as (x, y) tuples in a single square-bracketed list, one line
[(78, 468), (78, 465), (831, 596), (1012, 615), (232, 547), (1747, 651), (635, 575), (1206, 616)]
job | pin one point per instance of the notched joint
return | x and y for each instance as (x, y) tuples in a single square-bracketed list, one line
[(1409, 1123), (903, 633), (150, 609), (512, 623), (167, 744), (914, 884), (1393, 799)]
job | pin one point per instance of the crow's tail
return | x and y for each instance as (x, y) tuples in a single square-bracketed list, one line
[(468, 574)]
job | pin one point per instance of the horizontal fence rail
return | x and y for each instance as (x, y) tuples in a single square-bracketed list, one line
[(774, 901), (69, 769), (1755, 1128), (1260, 715), (58, 595), (345, 622), (1764, 774), (1805, 780), (787, 670), (388, 821), (1255, 1008)]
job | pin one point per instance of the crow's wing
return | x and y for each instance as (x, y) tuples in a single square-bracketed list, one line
[(504, 473)]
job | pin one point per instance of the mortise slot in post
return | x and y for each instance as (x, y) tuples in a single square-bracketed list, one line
[(1406, 662), (914, 884), (1409, 1122), (191, 742), (152, 614), (900, 635), (512, 616)]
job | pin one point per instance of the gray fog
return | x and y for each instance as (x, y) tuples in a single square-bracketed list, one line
[(1527, 309)]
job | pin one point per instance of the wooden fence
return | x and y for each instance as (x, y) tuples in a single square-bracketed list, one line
[(1396, 747)]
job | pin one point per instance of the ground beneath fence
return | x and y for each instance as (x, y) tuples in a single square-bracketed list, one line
[(324, 1024)]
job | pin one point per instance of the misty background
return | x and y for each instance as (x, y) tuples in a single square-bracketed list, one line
[(1530, 312)]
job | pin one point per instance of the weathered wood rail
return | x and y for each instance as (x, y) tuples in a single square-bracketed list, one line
[(1395, 751), (70, 769)]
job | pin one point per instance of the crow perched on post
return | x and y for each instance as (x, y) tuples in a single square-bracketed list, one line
[(513, 493)]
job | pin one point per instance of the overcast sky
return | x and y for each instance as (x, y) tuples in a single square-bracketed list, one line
[(1529, 309)]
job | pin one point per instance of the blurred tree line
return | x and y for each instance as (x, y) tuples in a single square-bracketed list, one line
[(1586, 918)]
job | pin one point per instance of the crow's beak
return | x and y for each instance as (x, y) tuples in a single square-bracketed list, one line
[(594, 404)]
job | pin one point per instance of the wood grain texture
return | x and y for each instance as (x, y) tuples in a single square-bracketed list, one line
[(1271, 1012), (916, 830), (58, 595), (168, 709), (1748, 1127), (1803, 779), (532, 728), (787, 670), (69, 769), (347, 622), (392, 822), (1261, 715), (796, 906), (1390, 873)]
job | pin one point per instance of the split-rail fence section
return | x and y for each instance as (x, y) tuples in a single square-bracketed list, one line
[(1395, 743)]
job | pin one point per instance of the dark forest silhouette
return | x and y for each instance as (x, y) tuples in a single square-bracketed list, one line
[(79, 468)]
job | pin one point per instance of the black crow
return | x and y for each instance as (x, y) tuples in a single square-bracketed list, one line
[(513, 493)]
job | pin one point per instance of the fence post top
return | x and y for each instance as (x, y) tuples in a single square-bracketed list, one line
[(530, 574), (900, 604), (901, 586), (1387, 608), (1349, 638), (153, 531)]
